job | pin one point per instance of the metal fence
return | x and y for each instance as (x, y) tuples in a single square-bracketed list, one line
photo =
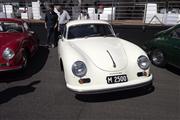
[(122, 10)]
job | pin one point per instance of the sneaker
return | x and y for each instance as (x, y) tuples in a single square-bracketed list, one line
[(49, 46)]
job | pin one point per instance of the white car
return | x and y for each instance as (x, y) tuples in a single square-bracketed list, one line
[(95, 60)]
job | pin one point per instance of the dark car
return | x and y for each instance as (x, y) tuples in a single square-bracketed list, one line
[(165, 47), (17, 44)]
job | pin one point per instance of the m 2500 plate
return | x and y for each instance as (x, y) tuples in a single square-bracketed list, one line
[(117, 79)]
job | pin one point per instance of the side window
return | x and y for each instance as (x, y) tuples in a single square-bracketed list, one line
[(176, 33)]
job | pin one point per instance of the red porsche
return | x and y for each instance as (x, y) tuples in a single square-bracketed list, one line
[(17, 44)]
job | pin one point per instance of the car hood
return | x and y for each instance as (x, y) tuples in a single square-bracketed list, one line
[(107, 53), (8, 38)]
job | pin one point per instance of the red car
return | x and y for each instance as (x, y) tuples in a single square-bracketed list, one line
[(17, 44)]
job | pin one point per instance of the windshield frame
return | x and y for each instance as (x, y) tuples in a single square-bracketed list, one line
[(19, 24), (109, 26)]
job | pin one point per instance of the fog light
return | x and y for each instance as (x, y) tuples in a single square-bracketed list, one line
[(140, 74), (83, 81)]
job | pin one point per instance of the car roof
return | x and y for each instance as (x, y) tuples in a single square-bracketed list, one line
[(80, 22), (11, 20)]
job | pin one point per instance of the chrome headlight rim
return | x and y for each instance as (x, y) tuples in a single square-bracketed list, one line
[(143, 62), (79, 69), (8, 54)]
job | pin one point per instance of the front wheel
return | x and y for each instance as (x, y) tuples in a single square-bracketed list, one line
[(157, 58), (61, 65), (25, 60)]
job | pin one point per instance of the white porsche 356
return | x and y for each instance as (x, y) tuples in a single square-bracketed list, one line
[(95, 60)]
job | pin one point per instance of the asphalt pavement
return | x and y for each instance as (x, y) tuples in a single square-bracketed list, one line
[(41, 94)]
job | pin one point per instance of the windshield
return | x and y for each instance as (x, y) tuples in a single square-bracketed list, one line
[(10, 27), (90, 30)]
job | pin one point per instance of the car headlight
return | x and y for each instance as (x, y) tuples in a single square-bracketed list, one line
[(79, 69), (8, 54), (143, 62)]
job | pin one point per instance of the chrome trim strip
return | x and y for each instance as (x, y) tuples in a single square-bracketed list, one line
[(114, 64)]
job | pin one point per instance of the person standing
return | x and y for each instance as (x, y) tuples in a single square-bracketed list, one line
[(51, 24), (83, 15), (63, 18)]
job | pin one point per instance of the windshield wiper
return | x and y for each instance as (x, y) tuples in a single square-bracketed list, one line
[(99, 34), (109, 35), (92, 35)]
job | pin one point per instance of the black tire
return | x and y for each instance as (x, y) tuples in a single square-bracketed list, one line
[(157, 57), (26, 60), (61, 65)]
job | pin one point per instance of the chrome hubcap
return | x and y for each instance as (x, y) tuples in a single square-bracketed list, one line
[(25, 61)]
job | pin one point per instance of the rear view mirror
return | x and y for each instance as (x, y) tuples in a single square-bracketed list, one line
[(60, 37)]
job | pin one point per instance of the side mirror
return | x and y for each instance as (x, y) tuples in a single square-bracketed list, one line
[(174, 34), (60, 37), (117, 34), (32, 32)]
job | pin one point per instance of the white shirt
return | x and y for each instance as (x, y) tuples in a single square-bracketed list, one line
[(64, 17), (83, 17)]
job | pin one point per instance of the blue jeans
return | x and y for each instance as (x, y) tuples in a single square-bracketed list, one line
[(61, 27), (51, 36)]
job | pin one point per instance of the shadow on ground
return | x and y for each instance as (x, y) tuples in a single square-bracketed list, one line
[(173, 69), (112, 96), (37, 63), (10, 93)]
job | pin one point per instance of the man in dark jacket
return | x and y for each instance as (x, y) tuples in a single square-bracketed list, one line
[(51, 24)]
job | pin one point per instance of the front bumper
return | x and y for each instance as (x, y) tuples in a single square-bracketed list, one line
[(15, 64), (144, 81), (10, 68)]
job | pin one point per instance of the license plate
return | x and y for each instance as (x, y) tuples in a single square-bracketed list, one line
[(116, 79)]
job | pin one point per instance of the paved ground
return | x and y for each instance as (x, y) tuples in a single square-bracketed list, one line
[(41, 94)]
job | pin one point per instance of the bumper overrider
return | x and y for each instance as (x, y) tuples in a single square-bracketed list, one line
[(140, 82)]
